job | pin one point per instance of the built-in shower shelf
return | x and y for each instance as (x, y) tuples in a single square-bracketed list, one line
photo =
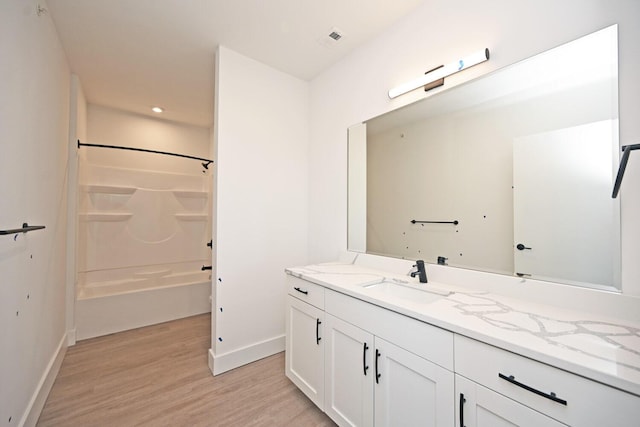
[(191, 194), (109, 189), (192, 217), (105, 217)]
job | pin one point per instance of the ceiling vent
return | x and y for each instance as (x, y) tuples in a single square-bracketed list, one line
[(335, 35), (331, 39)]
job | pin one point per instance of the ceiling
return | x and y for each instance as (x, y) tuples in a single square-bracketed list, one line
[(135, 54)]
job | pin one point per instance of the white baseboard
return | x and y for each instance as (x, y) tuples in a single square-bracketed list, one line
[(71, 337), (225, 362), (39, 398)]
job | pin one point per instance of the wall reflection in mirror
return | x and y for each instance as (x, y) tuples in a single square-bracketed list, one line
[(523, 159)]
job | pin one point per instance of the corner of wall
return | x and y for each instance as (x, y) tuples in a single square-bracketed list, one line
[(39, 397), (77, 131)]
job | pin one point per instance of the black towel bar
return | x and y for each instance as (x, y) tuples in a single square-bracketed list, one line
[(25, 229), (623, 165), (413, 221)]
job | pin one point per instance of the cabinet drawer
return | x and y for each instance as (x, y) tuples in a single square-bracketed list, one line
[(306, 291), (566, 397)]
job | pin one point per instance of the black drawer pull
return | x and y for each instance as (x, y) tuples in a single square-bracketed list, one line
[(550, 396), (301, 291), (462, 402), (364, 358), (318, 338), (377, 357)]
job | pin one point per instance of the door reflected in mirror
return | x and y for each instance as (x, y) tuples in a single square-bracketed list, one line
[(523, 159)]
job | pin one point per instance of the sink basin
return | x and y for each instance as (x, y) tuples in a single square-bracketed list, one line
[(407, 292)]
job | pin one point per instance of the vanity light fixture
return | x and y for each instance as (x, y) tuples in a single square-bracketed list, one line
[(157, 110), (440, 73)]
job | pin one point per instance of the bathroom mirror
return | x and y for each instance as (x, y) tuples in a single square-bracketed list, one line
[(510, 173)]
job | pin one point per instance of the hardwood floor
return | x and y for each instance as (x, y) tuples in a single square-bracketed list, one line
[(158, 376)]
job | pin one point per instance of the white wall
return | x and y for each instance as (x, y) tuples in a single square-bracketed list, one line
[(115, 127), (261, 136), (355, 90), (34, 125)]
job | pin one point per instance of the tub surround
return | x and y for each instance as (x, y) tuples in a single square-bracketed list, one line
[(143, 242), (590, 344)]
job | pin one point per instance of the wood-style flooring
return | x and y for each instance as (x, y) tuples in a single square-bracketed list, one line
[(158, 376)]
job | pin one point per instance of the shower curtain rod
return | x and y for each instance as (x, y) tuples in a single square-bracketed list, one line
[(206, 163)]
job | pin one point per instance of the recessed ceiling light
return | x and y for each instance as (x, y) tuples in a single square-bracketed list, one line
[(157, 110)]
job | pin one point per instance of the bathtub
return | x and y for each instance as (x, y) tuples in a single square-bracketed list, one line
[(142, 282), (145, 298)]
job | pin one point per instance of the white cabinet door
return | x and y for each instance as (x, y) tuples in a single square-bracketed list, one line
[(349, 373), (304, 356), (410, 390), (477, 406)]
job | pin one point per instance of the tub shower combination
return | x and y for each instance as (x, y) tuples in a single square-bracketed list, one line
[(144, 249)]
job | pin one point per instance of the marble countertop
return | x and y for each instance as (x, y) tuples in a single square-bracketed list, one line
[(601, 348)]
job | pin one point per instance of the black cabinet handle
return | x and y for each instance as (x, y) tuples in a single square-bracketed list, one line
[(301, 291), (462, 402), (364, 358), (377, 357), (318, 338), (521, 247), (206, 267), (550, 396)]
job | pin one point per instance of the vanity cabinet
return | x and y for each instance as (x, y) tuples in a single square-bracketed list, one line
[(365, 365), (304, 356), (376, 375), (499, 385)]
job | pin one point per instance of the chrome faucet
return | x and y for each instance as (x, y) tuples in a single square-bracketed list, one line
[(421, 272)]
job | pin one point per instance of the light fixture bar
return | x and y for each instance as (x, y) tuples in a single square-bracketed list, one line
[(439, 73)]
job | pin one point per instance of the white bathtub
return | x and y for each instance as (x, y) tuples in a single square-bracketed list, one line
[(140, 283), (146, 298)]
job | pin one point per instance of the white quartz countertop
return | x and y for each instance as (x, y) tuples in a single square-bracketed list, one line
[(601, 348)]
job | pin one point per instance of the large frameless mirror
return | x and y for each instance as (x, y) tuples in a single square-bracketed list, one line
[(510, 173)]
